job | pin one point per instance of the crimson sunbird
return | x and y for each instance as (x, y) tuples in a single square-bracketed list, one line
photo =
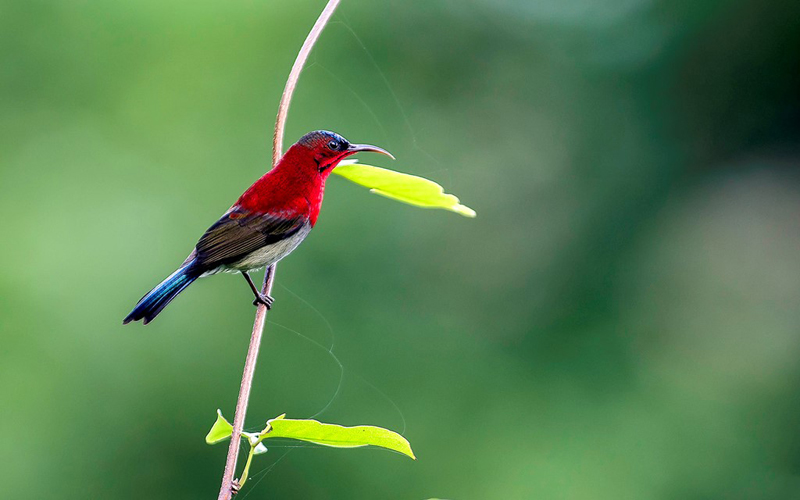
[(265, 224)]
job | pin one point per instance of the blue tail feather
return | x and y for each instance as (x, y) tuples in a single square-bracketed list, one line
[(158, 298)]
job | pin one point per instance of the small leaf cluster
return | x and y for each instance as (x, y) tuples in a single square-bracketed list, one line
[(311, 431)]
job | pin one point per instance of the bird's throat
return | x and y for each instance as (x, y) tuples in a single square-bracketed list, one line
[(288, 191)]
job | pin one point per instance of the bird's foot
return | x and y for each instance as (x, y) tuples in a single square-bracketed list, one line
[(235, 487), (264, 299)]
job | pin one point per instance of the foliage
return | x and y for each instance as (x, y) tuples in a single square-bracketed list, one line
[(311, 431), (406, 188)]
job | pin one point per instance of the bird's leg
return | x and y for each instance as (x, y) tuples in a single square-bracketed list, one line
[(260, 297)]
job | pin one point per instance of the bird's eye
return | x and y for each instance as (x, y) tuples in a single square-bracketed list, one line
[(334, 145)]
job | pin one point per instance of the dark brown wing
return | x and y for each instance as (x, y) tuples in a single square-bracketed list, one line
[(239, 233)]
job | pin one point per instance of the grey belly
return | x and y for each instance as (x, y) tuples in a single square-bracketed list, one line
[(269, 254)]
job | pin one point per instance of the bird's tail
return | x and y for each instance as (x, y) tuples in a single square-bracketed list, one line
[(157, 299)]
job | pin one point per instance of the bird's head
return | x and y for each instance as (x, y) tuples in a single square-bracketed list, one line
[(328, 148)]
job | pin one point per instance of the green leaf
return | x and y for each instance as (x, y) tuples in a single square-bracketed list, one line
[(410, 189), (337, 436), (220, 431), (312, 431)]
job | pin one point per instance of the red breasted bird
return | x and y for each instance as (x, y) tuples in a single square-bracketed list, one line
[(264, 225)]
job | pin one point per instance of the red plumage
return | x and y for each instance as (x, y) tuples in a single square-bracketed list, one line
[(293, 188), (265, 224)]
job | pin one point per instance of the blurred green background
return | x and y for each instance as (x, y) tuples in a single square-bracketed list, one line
[(622, 320)]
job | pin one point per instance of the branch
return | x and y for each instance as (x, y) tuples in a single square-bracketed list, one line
[(226, 490), (294, 75)]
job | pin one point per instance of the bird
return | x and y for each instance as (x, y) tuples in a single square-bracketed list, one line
[(266, 223)]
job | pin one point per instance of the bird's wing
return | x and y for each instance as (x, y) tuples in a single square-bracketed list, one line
[(239, 232)]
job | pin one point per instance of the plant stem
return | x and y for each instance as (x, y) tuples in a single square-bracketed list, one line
[(226, 491), (246, 470), (294, 75)]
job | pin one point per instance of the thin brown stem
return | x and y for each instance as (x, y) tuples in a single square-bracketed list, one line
[(294, 75), (226, 491)]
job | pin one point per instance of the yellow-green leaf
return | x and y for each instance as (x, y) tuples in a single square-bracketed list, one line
[(220, 431), (410, 189), (337, 436)]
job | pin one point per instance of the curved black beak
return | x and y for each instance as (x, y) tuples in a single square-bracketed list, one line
[(358, 148)]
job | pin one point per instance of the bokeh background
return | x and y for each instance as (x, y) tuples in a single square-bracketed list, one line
[(622, 320)]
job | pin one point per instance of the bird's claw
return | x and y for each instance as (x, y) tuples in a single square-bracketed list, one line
[(264, 299), (235, 487)]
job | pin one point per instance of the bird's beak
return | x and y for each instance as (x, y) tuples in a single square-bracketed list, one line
[(358, 148)]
